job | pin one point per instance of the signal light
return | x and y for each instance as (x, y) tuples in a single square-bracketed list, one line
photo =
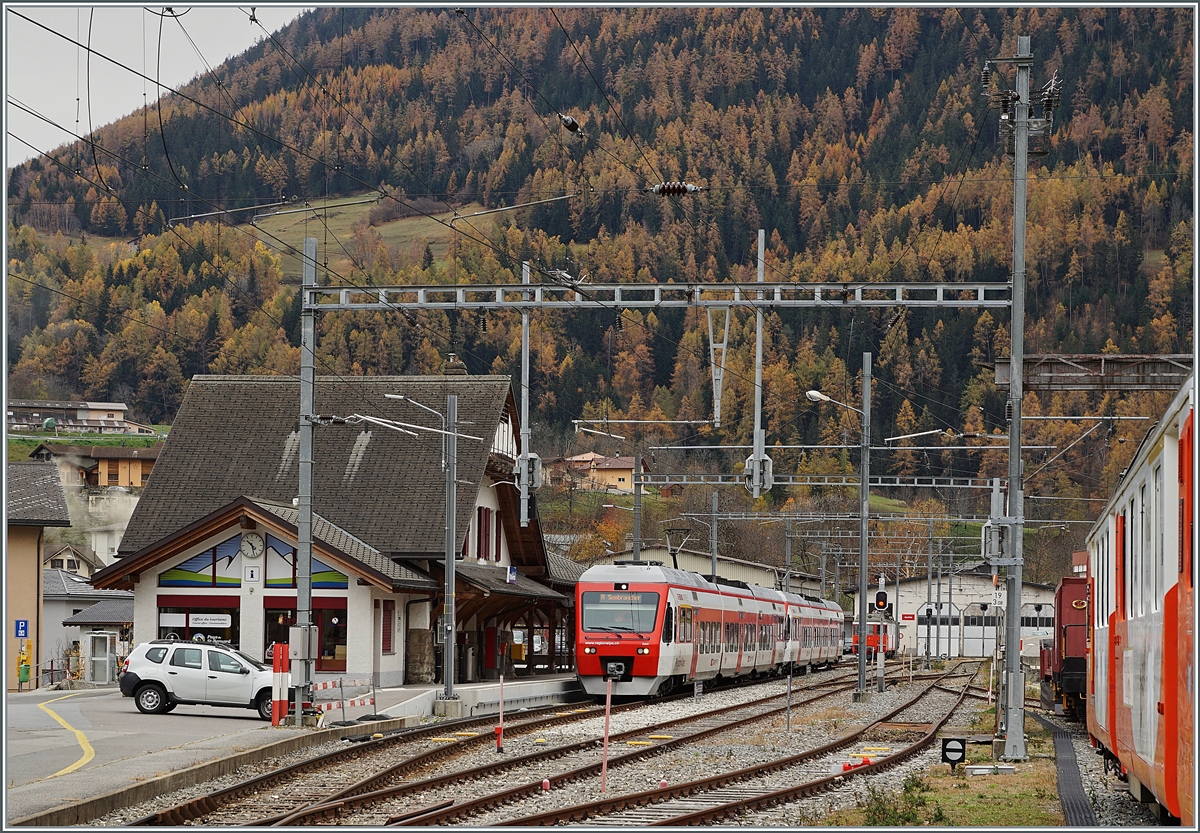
[(881, 601)]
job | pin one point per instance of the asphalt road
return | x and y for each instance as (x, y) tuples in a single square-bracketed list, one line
[(100, 742)]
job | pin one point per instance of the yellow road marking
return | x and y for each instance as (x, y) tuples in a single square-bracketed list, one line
[(88, 751)]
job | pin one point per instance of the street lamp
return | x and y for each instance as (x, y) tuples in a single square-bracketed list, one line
[(860, 695), (450, 466)]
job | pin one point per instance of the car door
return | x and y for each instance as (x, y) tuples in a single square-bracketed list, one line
[(229, 679), (186, 673)]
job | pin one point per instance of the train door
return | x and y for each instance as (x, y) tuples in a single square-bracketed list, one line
[(1184, 689)]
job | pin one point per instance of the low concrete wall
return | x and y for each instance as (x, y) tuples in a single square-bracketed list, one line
[(93, 808), (518, 694)]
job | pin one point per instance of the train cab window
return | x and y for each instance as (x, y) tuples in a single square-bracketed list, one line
[(618, 611), (668, 633)]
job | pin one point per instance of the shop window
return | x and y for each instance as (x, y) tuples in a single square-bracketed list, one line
[(200, 624), (331, 628), (277, 631)]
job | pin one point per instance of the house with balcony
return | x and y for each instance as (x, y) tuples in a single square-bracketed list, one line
[(72, 417)]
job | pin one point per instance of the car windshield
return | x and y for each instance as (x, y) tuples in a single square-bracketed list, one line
[(620, 610), (252, 661)]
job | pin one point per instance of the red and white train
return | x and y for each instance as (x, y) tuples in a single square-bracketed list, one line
[(1141, 676), (654, 628)]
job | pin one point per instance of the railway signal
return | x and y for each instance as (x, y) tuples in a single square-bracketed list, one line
[(954, 751)]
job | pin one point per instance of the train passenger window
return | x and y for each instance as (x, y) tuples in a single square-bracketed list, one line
[(1159, 526), (1145, 552)]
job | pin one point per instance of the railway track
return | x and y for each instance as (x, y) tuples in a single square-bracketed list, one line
[(290, 794), (891, 738), (308, 781)]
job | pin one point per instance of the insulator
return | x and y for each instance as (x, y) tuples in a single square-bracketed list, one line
[(483, 322), (986, 76), (1008, 411), (568, 123), (619, 324), (671, 189)]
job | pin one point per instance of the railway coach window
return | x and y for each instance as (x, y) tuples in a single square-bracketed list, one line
[(632, 611)]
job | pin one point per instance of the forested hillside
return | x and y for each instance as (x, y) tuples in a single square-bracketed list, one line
[(861, 140)]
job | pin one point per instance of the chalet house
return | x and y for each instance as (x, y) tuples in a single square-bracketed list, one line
[(72, 417), (34, 500), (100, 466), (211, 548), (612, 474), (82, 561)]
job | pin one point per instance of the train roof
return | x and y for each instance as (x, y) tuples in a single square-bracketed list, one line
[(654, 571), (1170, 420)]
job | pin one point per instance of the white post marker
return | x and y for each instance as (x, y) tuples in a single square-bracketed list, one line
[(500, 728), (604, 757), (789, 700)]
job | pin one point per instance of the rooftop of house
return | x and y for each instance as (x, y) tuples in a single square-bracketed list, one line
[(34, 495), (239, 435)]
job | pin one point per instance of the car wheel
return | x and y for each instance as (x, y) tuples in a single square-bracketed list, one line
[(151, 699), (265, 705)]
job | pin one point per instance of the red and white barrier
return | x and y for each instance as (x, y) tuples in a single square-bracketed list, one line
[(330, 705), (327, 685)]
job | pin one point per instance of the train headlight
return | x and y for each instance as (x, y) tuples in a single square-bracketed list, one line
[(643, 650), (590, 649)]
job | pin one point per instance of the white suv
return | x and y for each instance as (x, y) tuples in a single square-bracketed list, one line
[(161, 674)]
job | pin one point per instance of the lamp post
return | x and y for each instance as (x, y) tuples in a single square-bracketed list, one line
[(861, 694), (450, 467)]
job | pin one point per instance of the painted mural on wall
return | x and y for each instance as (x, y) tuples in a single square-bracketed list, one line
[(221, 566), (217, 566), (281, 568)]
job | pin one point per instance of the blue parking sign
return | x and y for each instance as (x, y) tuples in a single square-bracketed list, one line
[(22, 629)]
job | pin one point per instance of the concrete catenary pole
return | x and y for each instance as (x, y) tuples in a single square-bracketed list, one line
[(864, 503), (1014, 727), (304, 503)]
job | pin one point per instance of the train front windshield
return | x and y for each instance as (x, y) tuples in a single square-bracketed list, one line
[(618, 611)]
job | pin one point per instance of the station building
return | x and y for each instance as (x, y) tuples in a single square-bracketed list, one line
[(210, 551)]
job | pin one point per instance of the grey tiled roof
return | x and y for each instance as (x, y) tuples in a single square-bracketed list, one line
[(58, 583), (107, 612), (494, 580), (341, 540), (34, 495), (239, 435), (562, 570)]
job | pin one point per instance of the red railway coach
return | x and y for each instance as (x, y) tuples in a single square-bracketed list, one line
[(654, 628), (1141, 664), (1064, 656), (878, 633)]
